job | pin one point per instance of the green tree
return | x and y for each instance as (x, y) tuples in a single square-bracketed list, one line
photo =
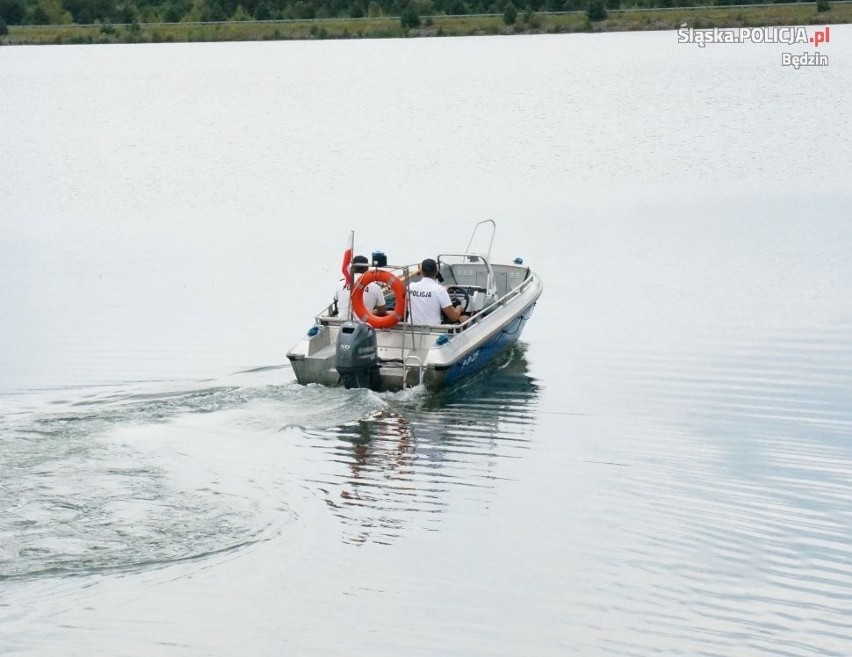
[(214, 10), (409, 18), (510, 14), (51, 12), (304, 9), (596, 11), (12, 12), (127, 13), (424, 7), (3, 29), (176, 10), (823, 5), (263, 12), (85, 12), (195, 10), (240, 14)]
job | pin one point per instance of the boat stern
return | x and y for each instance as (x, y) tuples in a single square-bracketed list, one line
[(313, 357)]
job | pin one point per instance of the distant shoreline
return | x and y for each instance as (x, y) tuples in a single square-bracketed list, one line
[(623, 20)]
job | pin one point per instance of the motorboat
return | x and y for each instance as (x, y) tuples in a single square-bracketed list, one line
[(392, 353)]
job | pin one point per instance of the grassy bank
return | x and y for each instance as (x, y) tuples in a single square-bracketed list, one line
[(387, 27)]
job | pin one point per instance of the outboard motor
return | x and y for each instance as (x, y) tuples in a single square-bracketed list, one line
[(357, 359)]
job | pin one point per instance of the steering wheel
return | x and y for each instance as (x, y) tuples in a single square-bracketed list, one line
[(459, 293)]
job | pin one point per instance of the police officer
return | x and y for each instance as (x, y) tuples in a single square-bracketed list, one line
[(374, 298), (429, 298)]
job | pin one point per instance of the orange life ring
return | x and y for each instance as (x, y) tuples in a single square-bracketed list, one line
[(360, 310)]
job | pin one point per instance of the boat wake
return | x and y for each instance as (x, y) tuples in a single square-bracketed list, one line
[(93, 480), (142, 475)]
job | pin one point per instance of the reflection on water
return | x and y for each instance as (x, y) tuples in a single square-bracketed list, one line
[(376, 491), (400, 463)]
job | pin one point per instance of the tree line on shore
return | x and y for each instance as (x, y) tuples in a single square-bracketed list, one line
[(108, 12)]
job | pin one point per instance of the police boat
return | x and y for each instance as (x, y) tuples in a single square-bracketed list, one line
[(392, 353)]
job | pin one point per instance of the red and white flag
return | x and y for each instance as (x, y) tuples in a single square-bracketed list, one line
[(347, 258)]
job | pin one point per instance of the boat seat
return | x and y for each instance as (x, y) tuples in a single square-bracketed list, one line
[(476, 294)]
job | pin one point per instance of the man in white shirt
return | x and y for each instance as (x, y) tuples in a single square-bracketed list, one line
[(429, 298), (374, 298)]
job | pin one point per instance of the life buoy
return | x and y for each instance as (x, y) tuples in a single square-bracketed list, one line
[(360, 310)]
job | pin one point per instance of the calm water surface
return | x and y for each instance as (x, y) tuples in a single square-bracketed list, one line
[(662, 467)]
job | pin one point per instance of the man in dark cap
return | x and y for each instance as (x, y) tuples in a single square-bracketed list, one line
[(374, 298), (429, 298)]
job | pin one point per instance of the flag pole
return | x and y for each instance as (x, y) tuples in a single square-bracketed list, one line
[(348, 253)]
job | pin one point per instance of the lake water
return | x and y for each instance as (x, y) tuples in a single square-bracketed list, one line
[(664, 466)]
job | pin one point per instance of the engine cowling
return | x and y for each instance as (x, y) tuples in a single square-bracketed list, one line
[(356, 358)]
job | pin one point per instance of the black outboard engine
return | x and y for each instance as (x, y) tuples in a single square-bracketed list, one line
[(357, 360)]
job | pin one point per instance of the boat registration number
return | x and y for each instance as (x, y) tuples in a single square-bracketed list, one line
[(467, 361)]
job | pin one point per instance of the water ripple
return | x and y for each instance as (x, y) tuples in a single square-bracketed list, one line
[(415, 452), (77, 502)]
